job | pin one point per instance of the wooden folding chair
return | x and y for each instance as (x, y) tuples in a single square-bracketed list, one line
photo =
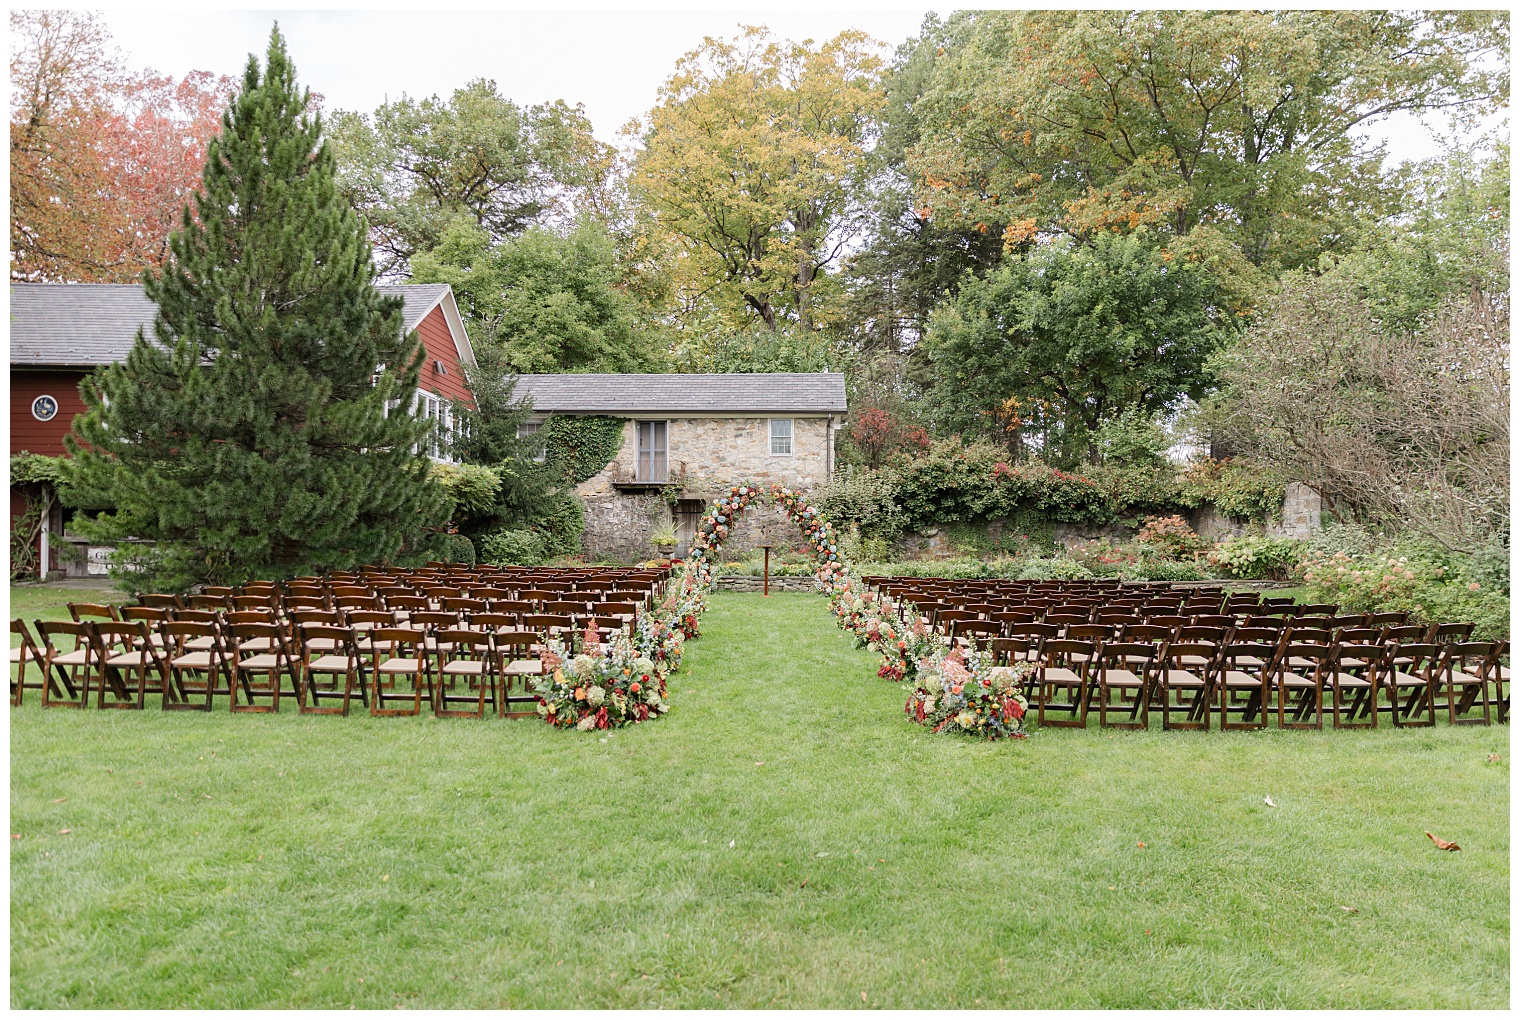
[(1186, 670), (1063, 669), (468, 655), (397, 654), (1412, 669), (126, 648), (1124, 667), (974, 633), (260, 649), (1296, 659), (73, 668), (1464, 679), (197, 662), (24, 654), (1245, 670), (1355, 673), (517, 659), (81, 612), (328, 651)]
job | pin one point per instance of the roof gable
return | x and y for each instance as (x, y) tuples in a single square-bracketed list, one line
[(675, 393), (87, 324)]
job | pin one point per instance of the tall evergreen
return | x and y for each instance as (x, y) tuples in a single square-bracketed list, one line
[(250, 437)]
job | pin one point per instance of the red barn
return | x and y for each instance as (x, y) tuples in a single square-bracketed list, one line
[(60, 332)]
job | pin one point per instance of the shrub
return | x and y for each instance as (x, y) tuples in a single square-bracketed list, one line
[(1257, 558), (513, 546), (1170, 535), (1428, 590), (868, 500)]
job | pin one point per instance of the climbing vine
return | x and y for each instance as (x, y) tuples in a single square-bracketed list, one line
[(577, 447)]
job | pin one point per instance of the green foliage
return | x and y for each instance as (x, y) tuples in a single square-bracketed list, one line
[(867, 499), (787, 348), (37, 469), (550, 303), (1170, 535), (249, 437), (417, 167), (1418, 580), (576, 447), (1075, 336), (473, 488), (1257, 558), (453, 549), (1132, 438), (1244, 490), (513, 546)]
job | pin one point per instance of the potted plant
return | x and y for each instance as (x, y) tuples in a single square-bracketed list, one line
[(664, 538)]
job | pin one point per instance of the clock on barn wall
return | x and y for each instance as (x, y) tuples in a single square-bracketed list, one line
[(44, 408)]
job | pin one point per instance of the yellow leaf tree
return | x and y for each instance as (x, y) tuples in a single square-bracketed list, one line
[(750, 169)]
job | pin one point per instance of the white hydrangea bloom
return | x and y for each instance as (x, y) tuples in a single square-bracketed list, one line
[(584, 666), (595, 695), (587, 724)]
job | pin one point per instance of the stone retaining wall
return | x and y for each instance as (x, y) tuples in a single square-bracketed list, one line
[(745, 583)]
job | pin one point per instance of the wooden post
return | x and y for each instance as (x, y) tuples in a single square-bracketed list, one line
[(766, 592)]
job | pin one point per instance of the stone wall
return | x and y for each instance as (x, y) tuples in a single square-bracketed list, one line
[(705, 456)]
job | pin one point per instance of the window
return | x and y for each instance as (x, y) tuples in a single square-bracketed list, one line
[(440, 443), (539, 451), (651, 451), (781, 437)]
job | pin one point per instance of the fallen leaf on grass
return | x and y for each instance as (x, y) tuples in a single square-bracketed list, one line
[(1140, 845), (824, 853), (64, 832), (730, 844), (1493, 757), (805, 881), (1269, 802), (59, 800), (758, 763), (862, 996), (1349, 910), (1443, 844), (15, 835)]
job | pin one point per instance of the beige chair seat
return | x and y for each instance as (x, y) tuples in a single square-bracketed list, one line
[(1060, 675), (524, 667), (321, 644), (262, 661), (130, 659), (399, 666), (16, 653), (258, 644), (331, 664), (1182, 678), (1196, 660), (1401, 679), (1235, 679), (192, 660), (201, 644), (78, 657), (1294, 680), (1351, 680), (465, 667), (1248, 660), (1121, 678)]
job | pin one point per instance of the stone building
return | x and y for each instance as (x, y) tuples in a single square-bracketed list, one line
[(686, 438)]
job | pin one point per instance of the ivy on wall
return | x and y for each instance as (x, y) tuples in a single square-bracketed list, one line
[(577, 447)]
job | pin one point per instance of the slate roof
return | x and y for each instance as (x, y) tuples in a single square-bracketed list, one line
[(747, 393), (87, 324)]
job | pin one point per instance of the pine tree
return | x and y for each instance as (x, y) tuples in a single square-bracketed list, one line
[(250, 438)]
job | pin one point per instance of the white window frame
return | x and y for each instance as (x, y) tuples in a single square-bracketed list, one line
[(790, 437), (541, 451), (432, 407)]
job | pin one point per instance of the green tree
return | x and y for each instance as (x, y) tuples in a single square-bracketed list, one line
[(416, 166), (250, 437), (551, 303), (1051, 345), (1081, 121)]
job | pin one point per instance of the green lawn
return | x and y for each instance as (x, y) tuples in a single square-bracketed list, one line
[(784, 837)]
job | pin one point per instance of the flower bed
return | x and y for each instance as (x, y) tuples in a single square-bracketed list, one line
[(961, 691)]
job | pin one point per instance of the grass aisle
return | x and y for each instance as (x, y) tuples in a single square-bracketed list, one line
[(783, 838)]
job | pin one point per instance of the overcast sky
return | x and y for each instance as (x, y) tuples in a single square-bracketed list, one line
[(613, 62)]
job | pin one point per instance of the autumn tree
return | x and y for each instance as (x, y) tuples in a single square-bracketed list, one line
[(103, 159), (750, 169), (1241, 122), (415, 166)]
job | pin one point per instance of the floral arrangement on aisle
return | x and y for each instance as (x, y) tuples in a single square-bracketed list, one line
[(658, 639), (719, 521), (609, 684), (876, 621), (961, 691)]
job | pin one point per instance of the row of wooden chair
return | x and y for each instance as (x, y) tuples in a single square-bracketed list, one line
[(1241, 678), (256, 663)]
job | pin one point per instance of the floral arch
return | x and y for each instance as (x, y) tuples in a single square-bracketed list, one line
[(717, 523)]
